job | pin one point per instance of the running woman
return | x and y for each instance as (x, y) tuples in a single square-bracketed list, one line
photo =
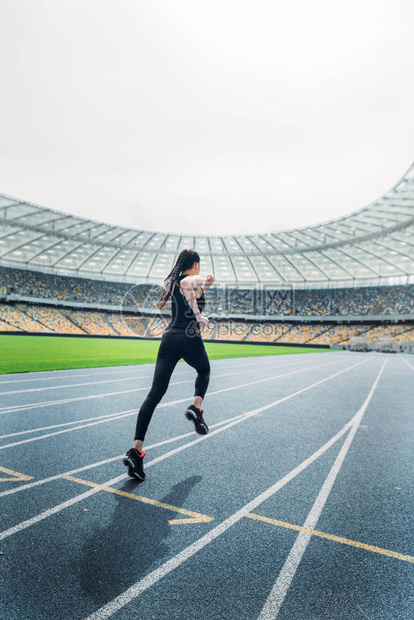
[(181, 339)]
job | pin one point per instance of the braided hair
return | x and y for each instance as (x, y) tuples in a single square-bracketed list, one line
[(185, 260)]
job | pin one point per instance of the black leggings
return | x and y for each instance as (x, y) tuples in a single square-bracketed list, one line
[(173, 347)]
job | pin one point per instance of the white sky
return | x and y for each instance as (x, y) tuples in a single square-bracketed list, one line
[(211, 117)]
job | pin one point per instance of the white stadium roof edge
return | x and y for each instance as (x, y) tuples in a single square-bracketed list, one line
[(369, 247)]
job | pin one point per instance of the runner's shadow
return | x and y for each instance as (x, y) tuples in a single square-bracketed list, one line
[(131, 543)]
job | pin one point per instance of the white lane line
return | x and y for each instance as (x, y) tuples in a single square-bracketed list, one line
[(169, 404), (69, 430), (74, 385), (62, 387), (60, 374), (64, 401), (109, 415), (247, 415), (29, 485), (276, 597), (51, 511), (139, 587), (14, 408), (45, 428), (408, 363)]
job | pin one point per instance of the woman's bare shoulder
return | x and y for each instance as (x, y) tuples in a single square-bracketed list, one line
[(193, 281)]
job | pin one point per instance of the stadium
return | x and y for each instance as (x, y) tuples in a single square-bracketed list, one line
[(343, 289), (258, 466), (346, 283)]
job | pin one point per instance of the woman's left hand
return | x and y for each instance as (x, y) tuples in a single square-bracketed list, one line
[(209, 280)]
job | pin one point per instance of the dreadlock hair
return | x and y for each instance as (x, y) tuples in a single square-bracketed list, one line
[(185, 260)]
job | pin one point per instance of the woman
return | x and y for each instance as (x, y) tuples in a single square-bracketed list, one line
[(181, 339)]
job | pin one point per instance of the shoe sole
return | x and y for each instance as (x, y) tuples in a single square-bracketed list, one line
[(201, 429), (131, 470)]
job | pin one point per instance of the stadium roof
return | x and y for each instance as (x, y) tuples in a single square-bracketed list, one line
[(374, 245)]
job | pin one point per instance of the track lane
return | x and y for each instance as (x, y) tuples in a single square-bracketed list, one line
[(249, 414)]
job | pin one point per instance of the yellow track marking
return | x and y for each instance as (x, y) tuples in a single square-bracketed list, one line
[(14, 475), (196, 517), (344, 541)]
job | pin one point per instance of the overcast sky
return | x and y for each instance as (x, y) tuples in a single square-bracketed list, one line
[(211, 117)]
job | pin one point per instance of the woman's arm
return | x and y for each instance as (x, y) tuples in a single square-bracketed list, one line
[(188, 285), (189, 293)]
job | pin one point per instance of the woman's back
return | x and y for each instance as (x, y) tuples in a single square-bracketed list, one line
[(182, 316)]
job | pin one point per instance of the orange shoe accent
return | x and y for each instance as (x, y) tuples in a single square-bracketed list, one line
[(140, 453)]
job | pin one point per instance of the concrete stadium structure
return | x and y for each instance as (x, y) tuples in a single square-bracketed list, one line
[(370, 247)]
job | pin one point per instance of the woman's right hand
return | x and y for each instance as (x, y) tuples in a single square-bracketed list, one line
[(202, 321)]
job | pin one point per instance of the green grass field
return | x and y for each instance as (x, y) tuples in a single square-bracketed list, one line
[(34, 353)]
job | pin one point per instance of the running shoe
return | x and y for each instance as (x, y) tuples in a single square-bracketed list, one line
[(134, 460), (196, 415)]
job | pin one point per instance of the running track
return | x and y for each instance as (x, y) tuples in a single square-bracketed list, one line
[(297, 505)]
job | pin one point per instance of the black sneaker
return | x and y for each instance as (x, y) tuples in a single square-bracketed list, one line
[(196, 415), (135, 463)]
